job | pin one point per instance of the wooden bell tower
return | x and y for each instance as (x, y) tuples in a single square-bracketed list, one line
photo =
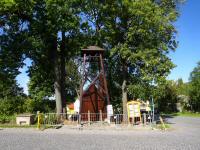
[(94, 95)]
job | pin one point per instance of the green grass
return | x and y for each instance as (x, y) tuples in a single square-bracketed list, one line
[(17, 126), (160, 126), (189, 114), (184, 114), (25, 126)]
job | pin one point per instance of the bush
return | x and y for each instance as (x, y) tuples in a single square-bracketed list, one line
[(10, 106), (17, 105), (32, 106), (7, 119)]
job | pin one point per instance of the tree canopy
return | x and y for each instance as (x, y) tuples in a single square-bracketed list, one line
[(195, 88), (137, 36)]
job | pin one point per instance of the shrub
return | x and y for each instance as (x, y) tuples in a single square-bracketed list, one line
[(7, 119), (10, 106)]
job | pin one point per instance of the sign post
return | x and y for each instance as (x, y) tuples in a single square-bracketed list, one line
[(109, 112)]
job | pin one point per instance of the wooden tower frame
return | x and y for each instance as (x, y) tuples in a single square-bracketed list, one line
[(96, 93)]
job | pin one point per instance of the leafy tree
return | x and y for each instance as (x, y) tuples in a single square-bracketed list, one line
[(12, 35), (195, 88), (166, 96), (140, 34), (42, 105), (12, 97), (53, 28), (48, 29), (72, 80), (183, 88), (145, 34)]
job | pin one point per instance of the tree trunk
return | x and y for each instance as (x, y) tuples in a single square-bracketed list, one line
[(57, 76), (124, 91), (57, 86), (63, 71), (124, 96)]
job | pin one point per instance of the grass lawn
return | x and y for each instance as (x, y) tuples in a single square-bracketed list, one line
[(185, 114), (25, 126), (17, 126), (189, 114)]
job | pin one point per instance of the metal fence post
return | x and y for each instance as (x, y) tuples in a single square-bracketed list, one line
[(144, 119), (88, 117), (101, 118), (117, 119)]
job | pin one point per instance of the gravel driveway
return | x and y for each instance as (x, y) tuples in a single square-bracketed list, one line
[(184, 135)]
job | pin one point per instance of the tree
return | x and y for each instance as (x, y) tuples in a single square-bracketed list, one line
[(183, 88), (49, 27), (55, 25), (12, 35), (166, 96), (73, 80), (139, 35), (145, 34), (195, 88)]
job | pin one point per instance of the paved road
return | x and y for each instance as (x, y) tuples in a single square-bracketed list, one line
[(184, 135)]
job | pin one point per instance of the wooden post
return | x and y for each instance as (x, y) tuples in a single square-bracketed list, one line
[(82, 84), (162, 122), (104, 80)]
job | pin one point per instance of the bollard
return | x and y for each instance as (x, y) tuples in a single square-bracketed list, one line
[(39, 120)]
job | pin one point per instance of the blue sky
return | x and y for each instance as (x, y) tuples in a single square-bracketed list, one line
[(23, 78), (188, 52), (185, 57)]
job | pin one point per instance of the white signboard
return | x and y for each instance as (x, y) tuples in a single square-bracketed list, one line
[(77, 105), (109, 110), (134, 110)]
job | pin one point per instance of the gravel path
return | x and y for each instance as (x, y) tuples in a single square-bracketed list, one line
[(184, 135)]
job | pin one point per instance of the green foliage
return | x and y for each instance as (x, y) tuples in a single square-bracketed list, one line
[(139, 35), (147, 35), (11, 105), (139, 91), (166, 96), (7, 119), (195, 88), (34, 105), (11, 96), (72, 80), (183, 88)]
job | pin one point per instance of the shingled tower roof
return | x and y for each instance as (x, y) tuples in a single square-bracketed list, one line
[(92, 50)]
